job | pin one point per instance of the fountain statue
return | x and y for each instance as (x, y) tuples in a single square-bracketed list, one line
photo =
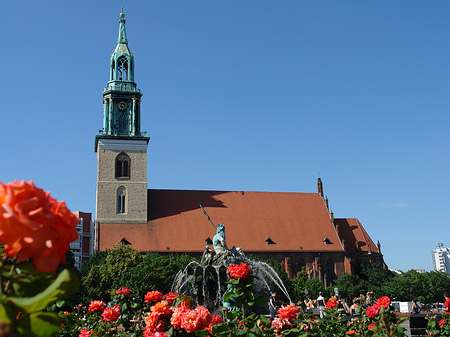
[(204, 281)]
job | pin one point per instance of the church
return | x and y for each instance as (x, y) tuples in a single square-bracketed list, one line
[(297, 229)]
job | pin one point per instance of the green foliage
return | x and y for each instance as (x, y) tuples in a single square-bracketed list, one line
[(125, 267), (425, 287)]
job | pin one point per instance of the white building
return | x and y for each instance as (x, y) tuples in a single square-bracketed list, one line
[(441, 258)]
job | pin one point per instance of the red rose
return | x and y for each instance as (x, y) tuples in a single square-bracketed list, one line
[(171, 297), (97, 306), (177, 315), (153, 296), (372, 311), (383, 302), (205, 316), (331, 303), (161, 309), (373, 327), (111, 314), (442, 322), (288, 312), (191, 321), (85, 333), (239, 270), (34, 225), (124, 291)]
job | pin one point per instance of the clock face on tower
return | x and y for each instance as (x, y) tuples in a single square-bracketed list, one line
[(123, 106)]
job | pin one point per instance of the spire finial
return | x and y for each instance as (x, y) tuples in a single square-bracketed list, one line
[(121, 12)]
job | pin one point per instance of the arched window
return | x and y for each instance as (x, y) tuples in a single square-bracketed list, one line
[(123, 122), (122, 166), (122, 69), (301, 264), (121, 200)]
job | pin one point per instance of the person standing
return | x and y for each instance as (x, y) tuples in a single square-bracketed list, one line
[(447, 302), (415, 309), (321, 304), (273, 305)]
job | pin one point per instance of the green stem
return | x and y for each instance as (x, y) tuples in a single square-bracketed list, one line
[(11, 271)]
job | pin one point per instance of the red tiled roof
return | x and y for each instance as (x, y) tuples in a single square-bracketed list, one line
[(294, 221), (356, 237)]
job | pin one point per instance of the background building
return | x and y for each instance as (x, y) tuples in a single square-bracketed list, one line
[(297, 229), (83, 248), (441, 258)]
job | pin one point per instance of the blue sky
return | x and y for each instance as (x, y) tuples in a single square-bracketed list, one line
[(249, 95)]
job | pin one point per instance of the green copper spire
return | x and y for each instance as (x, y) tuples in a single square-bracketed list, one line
[(122, 33), (121, 98)]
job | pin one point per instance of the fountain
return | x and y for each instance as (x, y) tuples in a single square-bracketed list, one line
[(204, 281)]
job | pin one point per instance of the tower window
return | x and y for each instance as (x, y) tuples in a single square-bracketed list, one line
[(122, 166), (122, 69), (121, 200)]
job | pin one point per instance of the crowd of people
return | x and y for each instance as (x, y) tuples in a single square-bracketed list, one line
[(357, 304)]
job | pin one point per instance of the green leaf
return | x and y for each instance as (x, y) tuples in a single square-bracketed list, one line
[(65, 284), (38, 324), (261, 301), (202, 333), (227, 296)]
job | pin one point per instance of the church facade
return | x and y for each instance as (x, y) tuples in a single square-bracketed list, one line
[(297, 229)]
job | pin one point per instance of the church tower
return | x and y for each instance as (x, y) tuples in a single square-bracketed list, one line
[(121, 147)]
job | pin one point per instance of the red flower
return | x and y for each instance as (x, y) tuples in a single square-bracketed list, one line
[(153, 296), (373, 327), (372, 311), (331, 303), (288, 312), (85, 333), (171, 297), (97, 306), (111, 314), (155, 334), (239, 270), (153, 324), (205, 316), (191, 321), (383, 302), (351, 332), (177, 315), (124, 291), (34, 225), (161, 309), (214, 320), (442, 322)]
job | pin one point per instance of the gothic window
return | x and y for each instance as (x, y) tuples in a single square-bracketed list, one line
[(121, 200), (122, 69), (301, 264), (113, 65), (122, 166)]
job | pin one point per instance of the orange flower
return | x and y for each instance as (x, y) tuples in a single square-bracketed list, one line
[(153, 324), (97, 306), (153, 296), (383, 302), (191, 321), (161, 309), (239, 270), (177, 315), (111, 314), (351, 332), (34, 225), (288, 312)]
